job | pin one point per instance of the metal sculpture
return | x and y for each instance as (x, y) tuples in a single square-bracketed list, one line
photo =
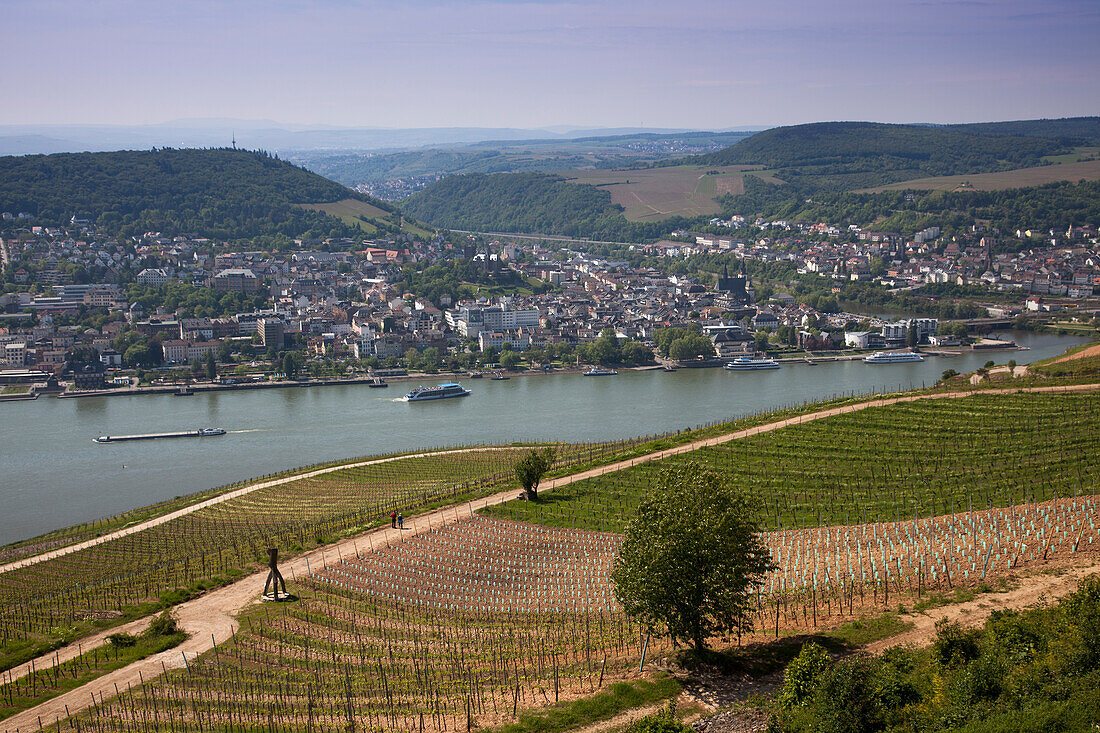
[(274, 578)]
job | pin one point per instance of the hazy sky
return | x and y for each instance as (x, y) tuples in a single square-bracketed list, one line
[(412, 63)]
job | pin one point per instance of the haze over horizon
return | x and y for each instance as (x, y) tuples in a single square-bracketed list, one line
[(700, 64)]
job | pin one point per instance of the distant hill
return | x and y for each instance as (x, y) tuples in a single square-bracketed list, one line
[(1072, 130), (527, 202), (218, 193), (882, 153)]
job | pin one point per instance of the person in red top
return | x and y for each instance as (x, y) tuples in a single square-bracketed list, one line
[(393, 519)]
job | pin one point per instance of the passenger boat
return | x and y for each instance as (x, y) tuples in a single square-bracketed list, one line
[(744, 364), (597, 372), (439, 392), (898, 357)]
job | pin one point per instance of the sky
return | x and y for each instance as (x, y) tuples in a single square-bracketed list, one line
[(704, 64)]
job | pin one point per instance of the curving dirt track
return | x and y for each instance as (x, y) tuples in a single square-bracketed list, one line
[(209, 619)]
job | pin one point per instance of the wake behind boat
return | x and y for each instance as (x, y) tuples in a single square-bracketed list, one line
[(744, 364), (439, 392), (897, 357), (200, 433)]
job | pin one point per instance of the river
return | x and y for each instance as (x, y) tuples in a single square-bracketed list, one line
[(53, 475)]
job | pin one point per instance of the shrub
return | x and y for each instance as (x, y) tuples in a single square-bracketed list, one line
[(163, 625), (121, 640), (845, 701), (803, 675), (663, 721), (954, 645)]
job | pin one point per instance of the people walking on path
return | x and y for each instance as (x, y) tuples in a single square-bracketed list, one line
[(393, 519), (401, 521)]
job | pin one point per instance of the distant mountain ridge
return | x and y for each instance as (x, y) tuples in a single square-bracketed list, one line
[(832, 147), (218, 193)]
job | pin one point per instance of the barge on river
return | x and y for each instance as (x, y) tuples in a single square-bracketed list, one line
[(201, 433)]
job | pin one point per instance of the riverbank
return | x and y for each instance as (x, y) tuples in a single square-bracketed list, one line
[(199, 387)]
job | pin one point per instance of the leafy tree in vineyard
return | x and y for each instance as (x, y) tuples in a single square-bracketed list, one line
[(691, 558), (530, 470)]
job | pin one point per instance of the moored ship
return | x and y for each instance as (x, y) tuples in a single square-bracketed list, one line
[(744, 364), (899, 357), (597, 372), (438, 392)]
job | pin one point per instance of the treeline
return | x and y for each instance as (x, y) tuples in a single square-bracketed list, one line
[(530, 202), (1035, 670), (217, 193)]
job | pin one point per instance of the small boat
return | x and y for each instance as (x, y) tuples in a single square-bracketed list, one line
[(207, 432), (899, 357), (476, 375), (500, 376), (597, 372), (669, 368), (744, 364), (377, 382), (442, 391), (184, 391)]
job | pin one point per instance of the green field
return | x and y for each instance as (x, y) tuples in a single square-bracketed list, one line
[(922, 458)]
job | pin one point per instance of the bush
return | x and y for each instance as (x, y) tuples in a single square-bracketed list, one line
[(121, 641), (845, 701), (163, 625), (954, 645), (661, 722), (803, 674)]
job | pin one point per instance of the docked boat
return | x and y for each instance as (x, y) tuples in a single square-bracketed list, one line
[(439, 392), (597, 372), (898, 357), (745, 364), (500, 376), (377, 382)]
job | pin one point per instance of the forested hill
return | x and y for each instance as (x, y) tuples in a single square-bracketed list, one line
[(1071, 130), (219, 193), (528, 202), (829, 148)]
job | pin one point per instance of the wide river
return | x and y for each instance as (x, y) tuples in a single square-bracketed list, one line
[(53, 475)]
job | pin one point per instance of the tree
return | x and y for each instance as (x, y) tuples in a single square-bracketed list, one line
[(691, 558), (510, 360), (530, 470), (211, 366)]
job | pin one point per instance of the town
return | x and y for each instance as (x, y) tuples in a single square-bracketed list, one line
[(100, 311)]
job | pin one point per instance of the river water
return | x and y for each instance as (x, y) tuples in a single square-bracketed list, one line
[(53, 475)]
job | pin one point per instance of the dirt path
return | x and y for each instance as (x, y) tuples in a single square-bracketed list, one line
[(209, 619), (1038, 589)]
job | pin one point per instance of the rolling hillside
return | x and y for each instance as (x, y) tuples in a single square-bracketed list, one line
[(217, 193), (857, 154)]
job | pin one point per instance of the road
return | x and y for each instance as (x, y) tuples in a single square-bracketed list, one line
[(210, 619)]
